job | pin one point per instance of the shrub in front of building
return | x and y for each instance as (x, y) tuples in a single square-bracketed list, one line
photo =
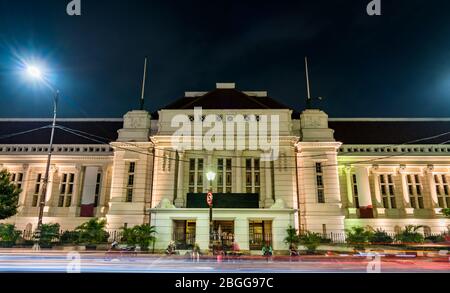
[(435, 238), (70, 237), (142, 235), (379, 237), (49, 235), (410, 234), (311, 241), (292, 237), (358, 237), (8, 235), (92, 233), (446, 212)]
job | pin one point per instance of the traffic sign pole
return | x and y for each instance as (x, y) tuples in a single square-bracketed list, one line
[(209, 200)]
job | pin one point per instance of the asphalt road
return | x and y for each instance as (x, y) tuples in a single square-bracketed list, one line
[(98, 262)]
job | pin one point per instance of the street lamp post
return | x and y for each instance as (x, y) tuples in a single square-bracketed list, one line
[(210, 176), (36, 73)]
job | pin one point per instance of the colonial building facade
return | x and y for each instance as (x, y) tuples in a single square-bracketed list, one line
[(328, 175)]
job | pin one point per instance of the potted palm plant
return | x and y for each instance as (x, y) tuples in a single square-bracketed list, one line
[(142, 235), (291, 238), (92, 233)]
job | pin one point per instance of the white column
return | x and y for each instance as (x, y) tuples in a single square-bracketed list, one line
[(207, 168), (202, 230), (362, 182), (405, 191), (241, 233), (102, 203), (269, 200), (74, 209), (432, 185), (26, 179), (238, 187), (406, 199), (348, 177), (179, 202), (377, 191), (50, 185)]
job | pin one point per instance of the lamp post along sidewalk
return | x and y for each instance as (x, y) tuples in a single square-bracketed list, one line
[(37, 74), (209, 199), (42, 197)]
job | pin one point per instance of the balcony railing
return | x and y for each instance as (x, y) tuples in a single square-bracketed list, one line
[(224, 200), (184, 240), (258, 240)]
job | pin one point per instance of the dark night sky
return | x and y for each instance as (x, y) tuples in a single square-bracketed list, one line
[(394, 65)]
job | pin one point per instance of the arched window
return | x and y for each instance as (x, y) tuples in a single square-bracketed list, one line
[(397, 229), (28, 233)]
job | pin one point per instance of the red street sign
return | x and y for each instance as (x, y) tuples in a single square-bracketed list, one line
[(209, 198)]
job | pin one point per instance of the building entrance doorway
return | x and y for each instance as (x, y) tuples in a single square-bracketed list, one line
[(223, 234), (184, 233), (260, 234)]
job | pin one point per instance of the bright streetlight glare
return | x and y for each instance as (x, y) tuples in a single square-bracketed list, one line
[(210, 175), (34, 72)]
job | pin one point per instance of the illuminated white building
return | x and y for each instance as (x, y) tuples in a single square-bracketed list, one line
[(330, 174)]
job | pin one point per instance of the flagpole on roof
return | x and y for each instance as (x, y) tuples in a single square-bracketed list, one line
[(308, 90), (143, 85)]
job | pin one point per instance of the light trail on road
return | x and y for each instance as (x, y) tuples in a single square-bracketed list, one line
[(41, 262)]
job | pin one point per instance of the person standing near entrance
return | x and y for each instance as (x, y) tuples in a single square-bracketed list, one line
[(267, 251), (196, 253)]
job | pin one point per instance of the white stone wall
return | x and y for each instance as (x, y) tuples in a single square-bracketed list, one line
[(120, 211), (31, 165), (308, 140), (163, 220), (315, 215)]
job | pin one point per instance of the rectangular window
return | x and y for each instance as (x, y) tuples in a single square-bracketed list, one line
[(319, 183), (355, 191), (199, 175), (388, 191), (66, 190), (17, 179), (184, 233), (256, 175), (415, 191), (37, 190), (248, 175), (442, 190), (130, 182), (252, 175), (196, 175), (97, 189), (191, 175), (224, 175), (220, 175), (260, 233), (228, 176)]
